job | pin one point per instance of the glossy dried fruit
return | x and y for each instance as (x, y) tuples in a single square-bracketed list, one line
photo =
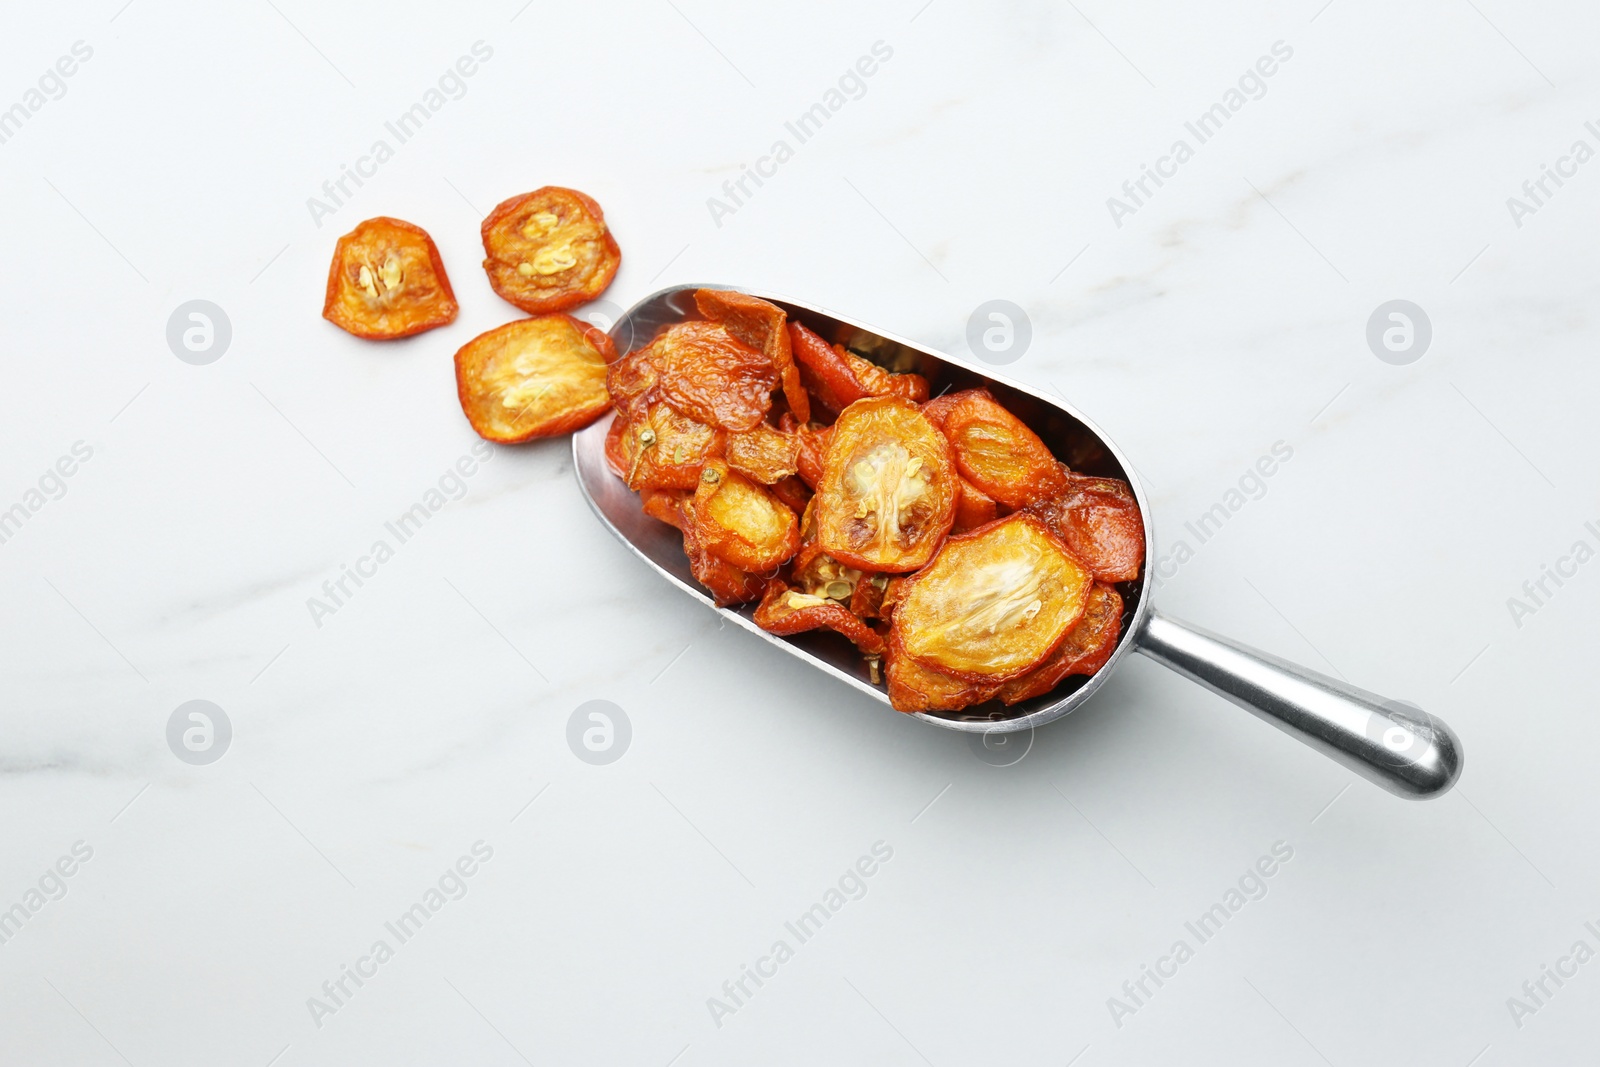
[(763, 326), (813, 441), (728, 584), (887, 494), (387, 281), (739, 521), (534, 378), (790, 611), (662, 449), (838, 378), (996, 451), (549, 250), (866, 600), (764, 454), (665, 505), (914, 687), (793, 492), (702, 371), (995, 602), (1099, 520), (1085, 649), (974, 507)]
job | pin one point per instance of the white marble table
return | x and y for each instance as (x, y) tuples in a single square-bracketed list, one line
[(611, 911)]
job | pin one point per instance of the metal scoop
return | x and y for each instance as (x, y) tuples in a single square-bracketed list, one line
[(1395, 745)]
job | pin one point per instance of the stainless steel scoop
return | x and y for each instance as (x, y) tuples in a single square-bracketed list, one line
[(1394, 745)]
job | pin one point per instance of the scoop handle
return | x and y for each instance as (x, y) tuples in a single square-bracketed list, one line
[(1391, 744)]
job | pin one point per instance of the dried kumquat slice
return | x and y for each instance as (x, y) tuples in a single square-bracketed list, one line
[(914, 687), (534, 378), (728, 584), (1084, 651), (974, 507), (741, 522), (549, 250), (994, 603), (703, 372), (787, 611), (996, 451), (764, 454), (664, 450), (838, 378), (387, 281), (763, 326), (887, 494), (1099, 520)]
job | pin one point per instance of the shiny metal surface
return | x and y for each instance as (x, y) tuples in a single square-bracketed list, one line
[(1335, 718), (1394, 745)]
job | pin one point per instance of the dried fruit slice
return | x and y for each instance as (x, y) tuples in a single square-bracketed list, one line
[(974, 507), (549, 250), (913, 687), (838, 378), (387, 281), (887, 494), (764, 454), (702, 371), (739, 521), (663, 450), (996, 452), (1099, 520), (1084, 651), (866, 600), (728, 584), (813, 450), (665, 505), (763, 326), (534, 378), (793, 492), (789, 611), (995, 602)]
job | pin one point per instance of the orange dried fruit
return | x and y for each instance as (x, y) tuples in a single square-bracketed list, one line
[(534, 378), (549, 250), (914, 687), (387, 281), (887, 493), (1099, 520), (974, 507), (741, 522), (662, 449), (996, 451), (763, 326), (764, 454), (994, 603), (1085, 649), (838, 377), (790, 611), (702, 371)]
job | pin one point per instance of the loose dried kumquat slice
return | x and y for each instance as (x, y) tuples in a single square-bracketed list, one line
[(549, 250), (662, 449), (763, 326), (789, 611), (887, 495), (994, 603), (702, 371), (387, 281), (1084, 651), (1099, 520), (534, 378), (739, 521), (913, 687), (996, 451), (838, 378), (764, 454)]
